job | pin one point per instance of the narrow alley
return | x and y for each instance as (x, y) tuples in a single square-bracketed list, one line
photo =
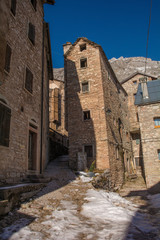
[(69, 208)]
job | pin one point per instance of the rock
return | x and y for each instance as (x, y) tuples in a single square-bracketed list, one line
[(103, 181)]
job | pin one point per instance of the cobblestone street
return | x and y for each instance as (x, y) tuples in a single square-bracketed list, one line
[(72, 209)]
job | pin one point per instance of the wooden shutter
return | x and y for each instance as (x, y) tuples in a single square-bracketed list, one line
[(29, 80), (13, 6), (8, 58), (5, 117), (31, 33), (56, 91), (34, 3)]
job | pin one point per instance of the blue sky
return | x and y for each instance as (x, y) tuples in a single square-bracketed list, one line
[(119, 26)]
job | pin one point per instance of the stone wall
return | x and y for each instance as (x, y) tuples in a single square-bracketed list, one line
[(150, 137), (25, 106), (104, 103)]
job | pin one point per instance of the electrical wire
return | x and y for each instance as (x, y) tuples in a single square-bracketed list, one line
[(148, 37)]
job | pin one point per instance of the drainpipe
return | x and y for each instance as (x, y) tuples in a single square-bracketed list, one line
[(42, 81)]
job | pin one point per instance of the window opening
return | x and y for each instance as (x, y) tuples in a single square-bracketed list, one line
[(29, 80), (8, 58), (89, 150), (82, 47), (83, 62), (31, 33), (5, 118), (86, 115), (85, 87), (157, 122), (13, 6)]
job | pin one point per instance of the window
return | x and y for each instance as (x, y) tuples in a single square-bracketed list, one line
[(158, 153), (83, 63), (85, 87), (86, 115), (89, 150), (29, 80), (31, 33), (137, 141), (117, 152), (5, 117), (137, 117), (82, 47), (34, 3), (8, 58), (13, 6), (135, 82), (157, 122)]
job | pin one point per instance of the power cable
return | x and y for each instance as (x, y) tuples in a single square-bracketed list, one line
[(148, 37)]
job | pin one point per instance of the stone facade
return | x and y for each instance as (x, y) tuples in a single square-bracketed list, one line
[(150, 138), (130, 84), (95, 121), (21, 90)]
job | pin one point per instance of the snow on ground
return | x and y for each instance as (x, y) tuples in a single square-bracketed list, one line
[(102, 215)]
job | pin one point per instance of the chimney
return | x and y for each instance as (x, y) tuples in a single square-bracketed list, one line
[(144, 87), (66, 46)]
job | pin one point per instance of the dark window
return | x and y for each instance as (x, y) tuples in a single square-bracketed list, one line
[(82, 47), (86, 115), (159, 154), (85, 87), (89, 150), (31, 33), (8, 58), (135, 82), (13, 6), (34, 3), (5, 116), (29, 80), (83, 62), (137, 117)]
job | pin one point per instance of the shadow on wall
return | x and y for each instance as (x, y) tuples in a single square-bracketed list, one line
[(80, 111), (145, 223)]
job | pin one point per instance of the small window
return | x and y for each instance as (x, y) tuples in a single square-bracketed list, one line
[(5, 117), (8, 58), (83, 63), (82, 47), (29, 80), (134, 95), (137, 141), (86, 115), (117, 152), (135, 82), (13, 6), (34, 3), (137, 116), (31, 33), (89, 150), (157, 122), (158, 153), (85, 87)]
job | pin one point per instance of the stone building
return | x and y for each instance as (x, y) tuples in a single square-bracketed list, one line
[(57, 102), (25, 70), (130, 84), (148, 105), (95, 118)]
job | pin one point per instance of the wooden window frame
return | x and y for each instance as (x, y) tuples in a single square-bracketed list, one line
[(82, 85), (83, 61)]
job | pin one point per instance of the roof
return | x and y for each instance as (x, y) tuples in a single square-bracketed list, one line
[(99, 46), (153, 92), (136, 73), (78, 39)]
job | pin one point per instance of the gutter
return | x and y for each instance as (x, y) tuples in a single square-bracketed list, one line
[(42, 92)]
